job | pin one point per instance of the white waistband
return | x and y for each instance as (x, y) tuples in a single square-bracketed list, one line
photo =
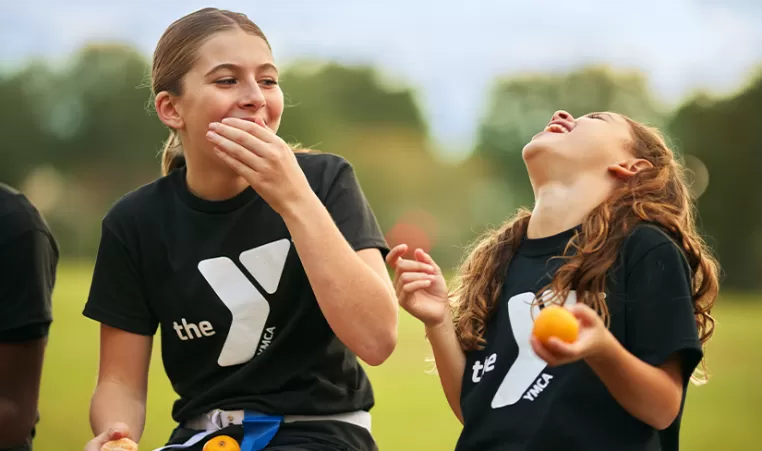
[(218, 419)]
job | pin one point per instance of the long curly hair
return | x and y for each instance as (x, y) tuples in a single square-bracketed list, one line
[(657, 195)]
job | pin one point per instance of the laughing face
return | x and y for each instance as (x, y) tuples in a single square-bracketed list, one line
[(567, 146), (234, 76)]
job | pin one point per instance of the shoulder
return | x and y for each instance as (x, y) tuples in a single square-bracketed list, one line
[(327, 172), (18, 215), (315, 163), (143, 202), (651, 243)]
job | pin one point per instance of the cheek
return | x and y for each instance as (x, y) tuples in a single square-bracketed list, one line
[(275, 105), (205, 107)]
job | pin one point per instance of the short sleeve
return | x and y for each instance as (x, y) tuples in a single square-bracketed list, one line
[(660, 318), (27, 276), (352, 213), (117, 297)]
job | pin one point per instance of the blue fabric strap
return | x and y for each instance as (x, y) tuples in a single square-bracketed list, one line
[(258, 430)]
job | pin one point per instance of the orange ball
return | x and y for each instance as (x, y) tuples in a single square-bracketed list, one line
[(556, 321), (221, 443), (123, 444)]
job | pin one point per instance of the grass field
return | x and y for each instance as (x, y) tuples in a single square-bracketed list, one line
[(411, 412)]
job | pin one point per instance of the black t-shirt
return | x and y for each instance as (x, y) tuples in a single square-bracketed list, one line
[(28, 260), (240, 325), (511, 400)]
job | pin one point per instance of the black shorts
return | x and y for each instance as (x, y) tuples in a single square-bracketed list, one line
[(297, 436)]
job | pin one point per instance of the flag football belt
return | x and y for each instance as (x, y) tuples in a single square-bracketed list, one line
[(258, 428), (218, 419)]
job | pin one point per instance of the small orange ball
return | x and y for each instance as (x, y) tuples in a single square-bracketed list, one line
[(123, 444), (556, 321), (221, 443)]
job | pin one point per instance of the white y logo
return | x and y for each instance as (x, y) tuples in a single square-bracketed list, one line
[(247, 305), (528, 366)]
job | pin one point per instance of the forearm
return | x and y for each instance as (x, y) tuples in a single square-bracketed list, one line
[(358, 305), (15, 426), (647, 392), (20, 374), (114, 402), (450, 362)]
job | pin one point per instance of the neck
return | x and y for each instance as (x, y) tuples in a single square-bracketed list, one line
[(213, 182), (561, 206)]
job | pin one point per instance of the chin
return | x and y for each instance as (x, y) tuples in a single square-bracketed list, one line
[(534, 149), (544, 142)]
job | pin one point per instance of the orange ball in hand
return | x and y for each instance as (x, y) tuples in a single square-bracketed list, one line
[(221, 443), (556, 321), (123, 444)]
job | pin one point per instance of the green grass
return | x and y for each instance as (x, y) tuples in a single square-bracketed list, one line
[(411, 412)]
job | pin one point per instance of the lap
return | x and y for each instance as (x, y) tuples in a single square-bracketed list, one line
[(302, 436)]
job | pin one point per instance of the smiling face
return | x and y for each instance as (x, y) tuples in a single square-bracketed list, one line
[(234, 76), (569, 147)]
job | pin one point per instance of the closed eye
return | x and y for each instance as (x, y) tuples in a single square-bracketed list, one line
[(596, 116)]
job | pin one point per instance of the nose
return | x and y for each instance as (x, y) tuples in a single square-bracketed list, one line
[(252, 98), (562, 115)]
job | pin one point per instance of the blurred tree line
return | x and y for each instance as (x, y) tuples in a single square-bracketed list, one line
[(78, 137)]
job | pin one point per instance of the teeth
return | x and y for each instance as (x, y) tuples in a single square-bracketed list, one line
[(555, 128)]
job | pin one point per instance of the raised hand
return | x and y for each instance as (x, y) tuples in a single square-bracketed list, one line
[(420, 286), (260, 156), (592, 340)]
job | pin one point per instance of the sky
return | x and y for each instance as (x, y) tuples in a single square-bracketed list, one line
[(449, 51)]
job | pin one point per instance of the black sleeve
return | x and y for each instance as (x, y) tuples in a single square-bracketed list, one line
[(351, 212), (27, 276), (660, 319), (117, 296)]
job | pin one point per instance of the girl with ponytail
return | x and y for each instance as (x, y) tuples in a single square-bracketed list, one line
[(262, 267)]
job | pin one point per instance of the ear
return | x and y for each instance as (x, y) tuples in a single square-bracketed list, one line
[(626, 169), (167, 110)]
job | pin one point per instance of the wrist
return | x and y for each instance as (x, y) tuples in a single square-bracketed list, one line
[(443, 324), (300, 206), (605, 352)]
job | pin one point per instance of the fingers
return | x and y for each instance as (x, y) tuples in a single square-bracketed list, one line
[(540, 350), (236, 143), (404, 265), (396, 252), (560, 349), (257, 129), (586, 315), (409, 277), (412, 287), (422, 256), (555, 352), (239, 167)]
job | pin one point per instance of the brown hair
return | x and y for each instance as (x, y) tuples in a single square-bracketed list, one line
[(176, 53), (657, 195)]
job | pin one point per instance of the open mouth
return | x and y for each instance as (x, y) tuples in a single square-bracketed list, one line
[(557, 127)]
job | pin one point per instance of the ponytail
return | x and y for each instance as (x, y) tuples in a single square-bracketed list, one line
[(172, 154)]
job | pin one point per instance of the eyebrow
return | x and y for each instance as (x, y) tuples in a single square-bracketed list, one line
[(235, 67), (603, 116)]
